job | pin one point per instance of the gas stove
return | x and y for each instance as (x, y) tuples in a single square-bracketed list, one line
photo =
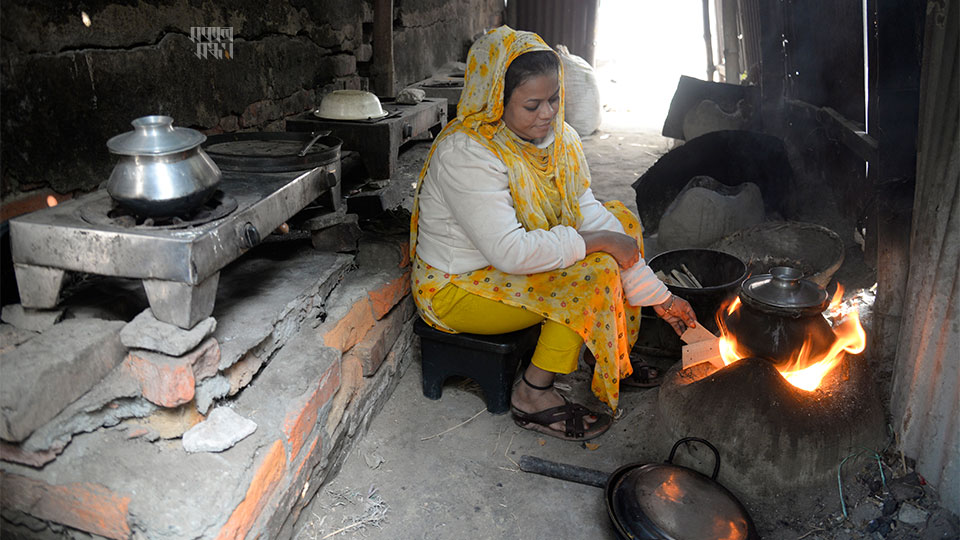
[(378, 140), (178, 259)]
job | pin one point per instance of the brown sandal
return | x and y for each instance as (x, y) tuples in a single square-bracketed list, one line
[(571, 414)]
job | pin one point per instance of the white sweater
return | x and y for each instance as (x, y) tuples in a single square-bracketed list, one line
[(467, 222)]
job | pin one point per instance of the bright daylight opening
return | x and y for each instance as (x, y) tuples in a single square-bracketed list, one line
[(642, 49)]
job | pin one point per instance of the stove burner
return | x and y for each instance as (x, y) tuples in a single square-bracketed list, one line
[(106, 211)]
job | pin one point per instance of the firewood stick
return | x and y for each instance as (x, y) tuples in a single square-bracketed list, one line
[(693, 277), (682, 279), (667, 280)]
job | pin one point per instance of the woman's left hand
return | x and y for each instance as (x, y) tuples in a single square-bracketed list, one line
[(623, 248), (678, 313)]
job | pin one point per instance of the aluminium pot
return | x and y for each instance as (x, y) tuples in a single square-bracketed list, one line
[(661, 501), (162, 170), (780, 312)]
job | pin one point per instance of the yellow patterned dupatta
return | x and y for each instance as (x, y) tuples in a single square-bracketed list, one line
[(545, 185)]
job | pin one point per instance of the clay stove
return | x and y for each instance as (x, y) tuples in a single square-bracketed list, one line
[(771, 431)]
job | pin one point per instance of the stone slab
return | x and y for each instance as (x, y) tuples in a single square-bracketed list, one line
[(328, 219), (210, 390), (383, 252), (222, 429), (11, 336), (114, 398), (342, 237), (912, 514), (263, 300), (49, 372), (33, 320), (301, 370), (147, 332)]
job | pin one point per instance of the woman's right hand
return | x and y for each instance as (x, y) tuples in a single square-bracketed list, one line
[(678, 313), (623, 248)]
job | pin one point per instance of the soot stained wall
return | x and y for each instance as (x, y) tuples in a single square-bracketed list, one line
[(430, 33), (66, 87)]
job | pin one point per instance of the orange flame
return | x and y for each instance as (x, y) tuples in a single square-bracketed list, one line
[(52, 201), (803, 370)]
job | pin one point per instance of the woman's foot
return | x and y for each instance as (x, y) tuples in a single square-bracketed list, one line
[(537, 406)]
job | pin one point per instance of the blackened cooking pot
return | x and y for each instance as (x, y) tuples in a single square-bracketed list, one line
[(719, 273), (780, 312), (661, 501)]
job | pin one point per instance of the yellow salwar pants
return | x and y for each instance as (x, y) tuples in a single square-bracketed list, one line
[(558, 348)]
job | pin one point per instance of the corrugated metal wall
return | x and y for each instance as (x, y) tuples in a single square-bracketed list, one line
[(568, 22), (749, 26), (926, 390)]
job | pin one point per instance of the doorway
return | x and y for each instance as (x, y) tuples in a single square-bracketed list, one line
[(642, 49)]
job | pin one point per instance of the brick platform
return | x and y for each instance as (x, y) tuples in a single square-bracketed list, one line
[(309, 358)]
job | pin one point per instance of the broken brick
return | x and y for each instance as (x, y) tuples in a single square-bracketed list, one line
[(164, 380), (265, 480), (377, 343), (388, 295), (300, 421), (349, 330), (82, 505)]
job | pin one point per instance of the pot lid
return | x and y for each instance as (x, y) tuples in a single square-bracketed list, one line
[(275, 151), (670, 501), (155, 136), (784, 288)]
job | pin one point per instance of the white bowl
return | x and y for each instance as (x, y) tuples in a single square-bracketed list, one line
[(350, 105)]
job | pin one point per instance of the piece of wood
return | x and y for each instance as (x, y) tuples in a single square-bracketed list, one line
[(696, 334), (702, 351), (383, 65), (682, 279), (690, 274)]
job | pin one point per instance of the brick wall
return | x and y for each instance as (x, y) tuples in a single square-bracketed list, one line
[(74, 74)]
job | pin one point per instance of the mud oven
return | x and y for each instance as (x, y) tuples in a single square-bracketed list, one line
[(787, 394)]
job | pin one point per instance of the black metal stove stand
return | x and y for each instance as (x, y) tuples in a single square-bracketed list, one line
[(378, 141)]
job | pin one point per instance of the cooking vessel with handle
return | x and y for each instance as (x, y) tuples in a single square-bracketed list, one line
[(780, 313), (661, 501)]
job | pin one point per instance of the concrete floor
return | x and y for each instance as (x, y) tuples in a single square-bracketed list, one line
[(448, 469)]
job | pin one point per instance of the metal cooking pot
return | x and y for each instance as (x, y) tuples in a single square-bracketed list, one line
[(779, 312), (162, 169), (661, 501)]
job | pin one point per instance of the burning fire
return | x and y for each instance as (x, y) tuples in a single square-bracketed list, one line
[(805, 370)]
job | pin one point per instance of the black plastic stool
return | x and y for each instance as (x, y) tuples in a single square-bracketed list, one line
[(491, 361)]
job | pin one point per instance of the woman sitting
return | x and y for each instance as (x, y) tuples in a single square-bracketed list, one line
[(506, 233)]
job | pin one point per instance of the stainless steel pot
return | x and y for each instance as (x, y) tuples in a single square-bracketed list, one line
[(162, 169)]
